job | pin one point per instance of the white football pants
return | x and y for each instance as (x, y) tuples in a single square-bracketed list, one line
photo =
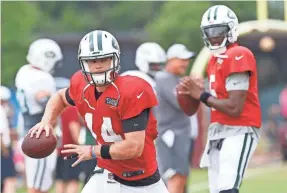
[(227, 165), (101, 183)]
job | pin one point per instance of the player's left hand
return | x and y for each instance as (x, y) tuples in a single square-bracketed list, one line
[(83, 152), (191, 87)]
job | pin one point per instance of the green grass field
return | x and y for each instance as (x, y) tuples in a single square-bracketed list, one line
[(268, 179)]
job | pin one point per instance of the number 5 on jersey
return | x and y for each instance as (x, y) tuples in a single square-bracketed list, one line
[(107, 131)]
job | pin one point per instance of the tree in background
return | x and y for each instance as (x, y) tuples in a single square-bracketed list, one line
[(59, 17), (179, 22), (84, 16), (23, 22), (164, 22), (18, 22), (276, 9)]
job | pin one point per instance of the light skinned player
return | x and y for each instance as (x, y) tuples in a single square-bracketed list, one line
[(117, 112)]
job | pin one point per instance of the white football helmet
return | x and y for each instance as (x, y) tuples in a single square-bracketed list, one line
[(45, 54), (150, 58), (99, 44), (5, 93), (219, 28)]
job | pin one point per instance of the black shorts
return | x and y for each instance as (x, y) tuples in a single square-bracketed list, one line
[(88, 168), (176, 159), (64, 170), (7, 166)]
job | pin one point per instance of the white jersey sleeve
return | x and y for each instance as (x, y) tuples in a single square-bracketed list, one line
[(237, 81), (29, 81)]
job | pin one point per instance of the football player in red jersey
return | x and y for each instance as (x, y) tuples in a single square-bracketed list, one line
[(233, 98), (117, 111)]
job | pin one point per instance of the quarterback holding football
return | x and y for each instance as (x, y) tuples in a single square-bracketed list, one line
[(117, 110), (233, 98)]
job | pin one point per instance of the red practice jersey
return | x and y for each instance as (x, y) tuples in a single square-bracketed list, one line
[(69, 115), (239, 59), (129, 99)]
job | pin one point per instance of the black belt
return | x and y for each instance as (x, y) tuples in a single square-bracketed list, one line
[(215, 144), (142, 182)]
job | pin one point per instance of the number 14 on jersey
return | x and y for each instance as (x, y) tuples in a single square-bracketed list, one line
[(107, 132)]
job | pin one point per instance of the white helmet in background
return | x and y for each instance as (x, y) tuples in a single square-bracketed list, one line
[(150, 58), (99, 44), (5, 93), (219, 27), (45, 54)]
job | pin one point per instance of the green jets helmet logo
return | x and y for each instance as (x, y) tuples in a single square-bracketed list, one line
[(50, 54), (115, 44)]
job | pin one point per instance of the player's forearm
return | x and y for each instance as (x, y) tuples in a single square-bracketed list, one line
[(54, 108), (126, 149), (122, 150), (226, 106)]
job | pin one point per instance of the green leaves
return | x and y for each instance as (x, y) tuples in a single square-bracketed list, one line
[(165, 22), (179, 22), (18, 21)]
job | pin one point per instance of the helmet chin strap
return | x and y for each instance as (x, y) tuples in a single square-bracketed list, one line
[(100, 79), (219, 52)]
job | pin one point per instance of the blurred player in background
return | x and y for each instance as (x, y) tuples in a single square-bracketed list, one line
[(67, 178), (8, 172), (150, 58), (88, 166), (173, 143), (235, 110), (117, 112), (283, 128), (35, 85)]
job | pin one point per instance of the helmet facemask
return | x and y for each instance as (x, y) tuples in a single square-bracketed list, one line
[(217, 37), (100, 78), (155, 67), (58, 64)]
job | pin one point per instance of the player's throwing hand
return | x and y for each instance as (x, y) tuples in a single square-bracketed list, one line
[(83, 152)]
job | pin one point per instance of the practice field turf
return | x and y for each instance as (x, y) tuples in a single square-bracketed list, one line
[(268, 179)]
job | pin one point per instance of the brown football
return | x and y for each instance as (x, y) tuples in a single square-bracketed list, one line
[(39, 147), (188, 104)]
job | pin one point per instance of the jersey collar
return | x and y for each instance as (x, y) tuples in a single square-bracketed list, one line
[(232, 45)]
